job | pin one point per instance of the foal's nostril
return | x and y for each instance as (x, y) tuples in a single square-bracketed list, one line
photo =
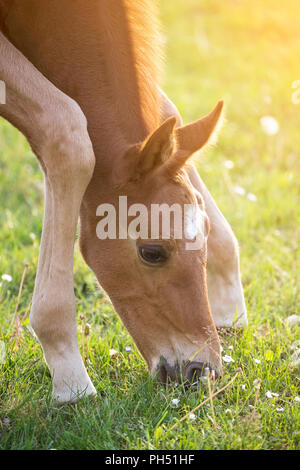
[(166, 372), (195, 370), (162, 374), (187, 372)]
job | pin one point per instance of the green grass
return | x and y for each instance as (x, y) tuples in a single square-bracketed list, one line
[(246, 51)]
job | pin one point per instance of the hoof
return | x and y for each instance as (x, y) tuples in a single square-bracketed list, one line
[(72, 393)]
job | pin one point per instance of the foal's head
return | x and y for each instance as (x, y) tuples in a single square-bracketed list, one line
[(156, 276)]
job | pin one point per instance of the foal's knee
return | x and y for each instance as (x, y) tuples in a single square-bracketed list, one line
[(64, 146), (52, 315)]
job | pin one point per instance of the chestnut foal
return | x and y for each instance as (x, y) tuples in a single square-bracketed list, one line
[(81, 85)]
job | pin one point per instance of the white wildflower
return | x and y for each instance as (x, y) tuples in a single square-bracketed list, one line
[(239, 190), (228, 164), (296, 358), (257, 361), (269, 125), (228, 411), (192, 416), (128, 348), (174, 403), (227, 358), (6, 277), (251, 197), (297, 399), (292, 320), (280, 410), (113, 353), (270, 394), (243, 387)]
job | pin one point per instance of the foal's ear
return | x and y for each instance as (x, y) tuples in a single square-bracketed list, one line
[(158, 147), (195, 136), (141, 158)]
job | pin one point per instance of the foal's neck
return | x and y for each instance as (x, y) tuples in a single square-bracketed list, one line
[(102, 54)]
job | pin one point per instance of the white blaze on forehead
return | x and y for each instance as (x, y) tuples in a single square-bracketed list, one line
[(193, 221)]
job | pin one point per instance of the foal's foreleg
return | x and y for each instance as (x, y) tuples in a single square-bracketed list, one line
[(56, 129), (224, 286)]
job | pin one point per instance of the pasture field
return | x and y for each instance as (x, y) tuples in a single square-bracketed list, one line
[(247, 52)]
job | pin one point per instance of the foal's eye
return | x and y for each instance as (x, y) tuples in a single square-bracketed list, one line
[(153, 254)]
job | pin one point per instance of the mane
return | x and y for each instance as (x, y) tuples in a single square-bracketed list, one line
[(144, 31)]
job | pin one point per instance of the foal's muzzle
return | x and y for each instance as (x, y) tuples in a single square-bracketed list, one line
[(188, 372)]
